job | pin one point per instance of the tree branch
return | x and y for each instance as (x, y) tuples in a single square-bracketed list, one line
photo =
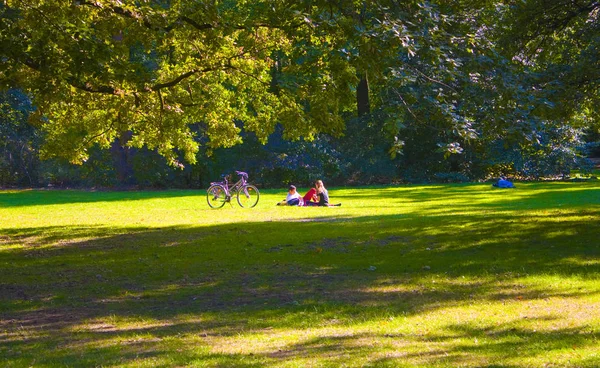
[(407, 106), (431, 79), (193, 23), (117, 10), (90, 139), (88, 87), (181, 19), (183, 76), (84, 86), (249, 75)]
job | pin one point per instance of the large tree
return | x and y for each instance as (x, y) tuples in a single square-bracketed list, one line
[(169, 74), (99, 69), (145, 71), (560, 41)]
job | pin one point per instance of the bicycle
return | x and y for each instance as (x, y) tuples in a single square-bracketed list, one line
[(221, 192)]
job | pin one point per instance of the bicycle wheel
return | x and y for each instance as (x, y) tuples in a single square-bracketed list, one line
[(216, 196), (247, 197)]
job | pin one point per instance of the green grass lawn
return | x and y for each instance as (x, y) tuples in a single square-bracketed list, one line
[(429, 276)]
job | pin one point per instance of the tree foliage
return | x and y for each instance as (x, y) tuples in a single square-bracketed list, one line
[(464, 87), (98, 69), (19, 141)]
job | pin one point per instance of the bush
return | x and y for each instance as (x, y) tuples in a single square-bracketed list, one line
[(451, 177)]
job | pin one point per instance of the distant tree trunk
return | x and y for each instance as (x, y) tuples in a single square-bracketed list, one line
[(362, 96), (120, 153), (276, 71)]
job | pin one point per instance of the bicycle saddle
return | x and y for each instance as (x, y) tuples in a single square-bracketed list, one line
[(241, 173)]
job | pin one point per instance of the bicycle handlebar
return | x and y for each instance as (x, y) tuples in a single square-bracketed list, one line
[(240, 173)]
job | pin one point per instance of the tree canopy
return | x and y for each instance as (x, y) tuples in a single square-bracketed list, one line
[(170, 74)]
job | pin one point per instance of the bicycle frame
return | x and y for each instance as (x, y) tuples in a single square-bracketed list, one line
[(231, 187), (237, 186)]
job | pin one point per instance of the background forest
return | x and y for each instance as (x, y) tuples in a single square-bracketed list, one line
[(174, 93)]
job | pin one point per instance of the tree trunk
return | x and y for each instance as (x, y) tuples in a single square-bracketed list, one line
[(120, 153), (362, 96)]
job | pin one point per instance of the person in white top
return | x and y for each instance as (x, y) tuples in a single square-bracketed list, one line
[(293, 198)]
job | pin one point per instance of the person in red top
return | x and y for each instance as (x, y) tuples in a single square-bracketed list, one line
[(319, 195), (310, 198)]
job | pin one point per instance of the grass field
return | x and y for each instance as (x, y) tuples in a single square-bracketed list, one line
[(428, 276)]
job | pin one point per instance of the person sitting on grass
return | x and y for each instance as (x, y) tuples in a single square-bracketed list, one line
[(323, 196), (503, 183), (311, 198), (292, 198), (317, 196)]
